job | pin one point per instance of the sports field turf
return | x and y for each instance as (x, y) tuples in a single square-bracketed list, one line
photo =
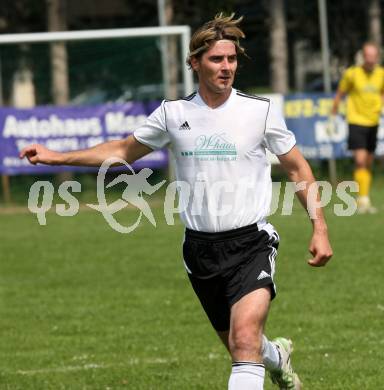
[(84, 307)]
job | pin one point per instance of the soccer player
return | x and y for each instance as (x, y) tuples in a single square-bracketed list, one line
[(364, 86), (218, 137)]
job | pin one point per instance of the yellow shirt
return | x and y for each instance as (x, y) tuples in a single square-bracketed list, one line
[(365, 90)]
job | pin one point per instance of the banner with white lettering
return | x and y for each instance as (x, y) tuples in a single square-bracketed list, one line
[(69, 128), (307, 115)]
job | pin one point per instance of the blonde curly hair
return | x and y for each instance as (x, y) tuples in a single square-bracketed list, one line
[(221, 27)]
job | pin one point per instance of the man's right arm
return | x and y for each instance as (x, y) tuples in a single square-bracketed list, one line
[(344, 87), (336, 102), (128, 149)]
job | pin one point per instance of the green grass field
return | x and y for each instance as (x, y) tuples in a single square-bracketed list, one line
[(84, 307)]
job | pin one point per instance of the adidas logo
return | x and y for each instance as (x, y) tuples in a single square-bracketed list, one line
[(263, 275), (185, 126)]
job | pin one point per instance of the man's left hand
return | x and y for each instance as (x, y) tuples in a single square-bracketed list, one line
[(320, 249)]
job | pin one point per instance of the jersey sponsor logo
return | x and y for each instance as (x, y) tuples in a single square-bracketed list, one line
[(213, 147), (185, 126), (263, 275)]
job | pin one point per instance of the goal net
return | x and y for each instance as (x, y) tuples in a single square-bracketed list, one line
[(101, 66), (114, 79)]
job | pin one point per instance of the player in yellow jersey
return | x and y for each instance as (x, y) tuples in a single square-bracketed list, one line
[(364, 87)]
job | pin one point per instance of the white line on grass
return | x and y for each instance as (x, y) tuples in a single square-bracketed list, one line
[(92, 366), (129, 362)]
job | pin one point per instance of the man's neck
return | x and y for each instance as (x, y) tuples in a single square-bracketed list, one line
[(369, 69), (214, 100)]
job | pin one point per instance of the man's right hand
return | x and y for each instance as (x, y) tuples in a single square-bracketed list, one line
[(39, 154), (331, 126)]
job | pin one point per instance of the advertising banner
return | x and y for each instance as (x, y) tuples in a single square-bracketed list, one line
[(69, 128), (307, 115)]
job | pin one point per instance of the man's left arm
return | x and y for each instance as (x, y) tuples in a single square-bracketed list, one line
[(299, 171)]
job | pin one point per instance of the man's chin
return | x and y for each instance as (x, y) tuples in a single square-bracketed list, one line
[(223, 87)]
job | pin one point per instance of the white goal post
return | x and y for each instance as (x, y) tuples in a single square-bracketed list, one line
[(64, 36)]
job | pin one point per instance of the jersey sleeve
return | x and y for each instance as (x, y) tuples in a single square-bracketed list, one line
[(277, 138), (382, 78), (154, 132), (345, 83)]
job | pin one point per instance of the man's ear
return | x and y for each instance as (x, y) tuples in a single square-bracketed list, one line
[(195, 64)]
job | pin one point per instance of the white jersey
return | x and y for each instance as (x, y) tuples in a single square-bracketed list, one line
[(220, 157)]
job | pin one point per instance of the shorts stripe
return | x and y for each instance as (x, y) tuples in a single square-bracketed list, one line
[(272, 258)]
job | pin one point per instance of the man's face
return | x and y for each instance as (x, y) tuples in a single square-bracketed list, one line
[(370, 56), (216, 68)]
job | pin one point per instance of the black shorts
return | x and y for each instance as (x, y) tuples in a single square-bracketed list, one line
[(362, 137), (225, 266)]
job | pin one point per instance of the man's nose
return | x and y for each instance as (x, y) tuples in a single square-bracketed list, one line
[(225, 64)]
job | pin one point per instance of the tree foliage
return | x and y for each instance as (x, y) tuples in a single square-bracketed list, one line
[(347, 21)]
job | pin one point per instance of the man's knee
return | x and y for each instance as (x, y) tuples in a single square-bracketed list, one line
[(245, 342), (362, 159), (248, 316)]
